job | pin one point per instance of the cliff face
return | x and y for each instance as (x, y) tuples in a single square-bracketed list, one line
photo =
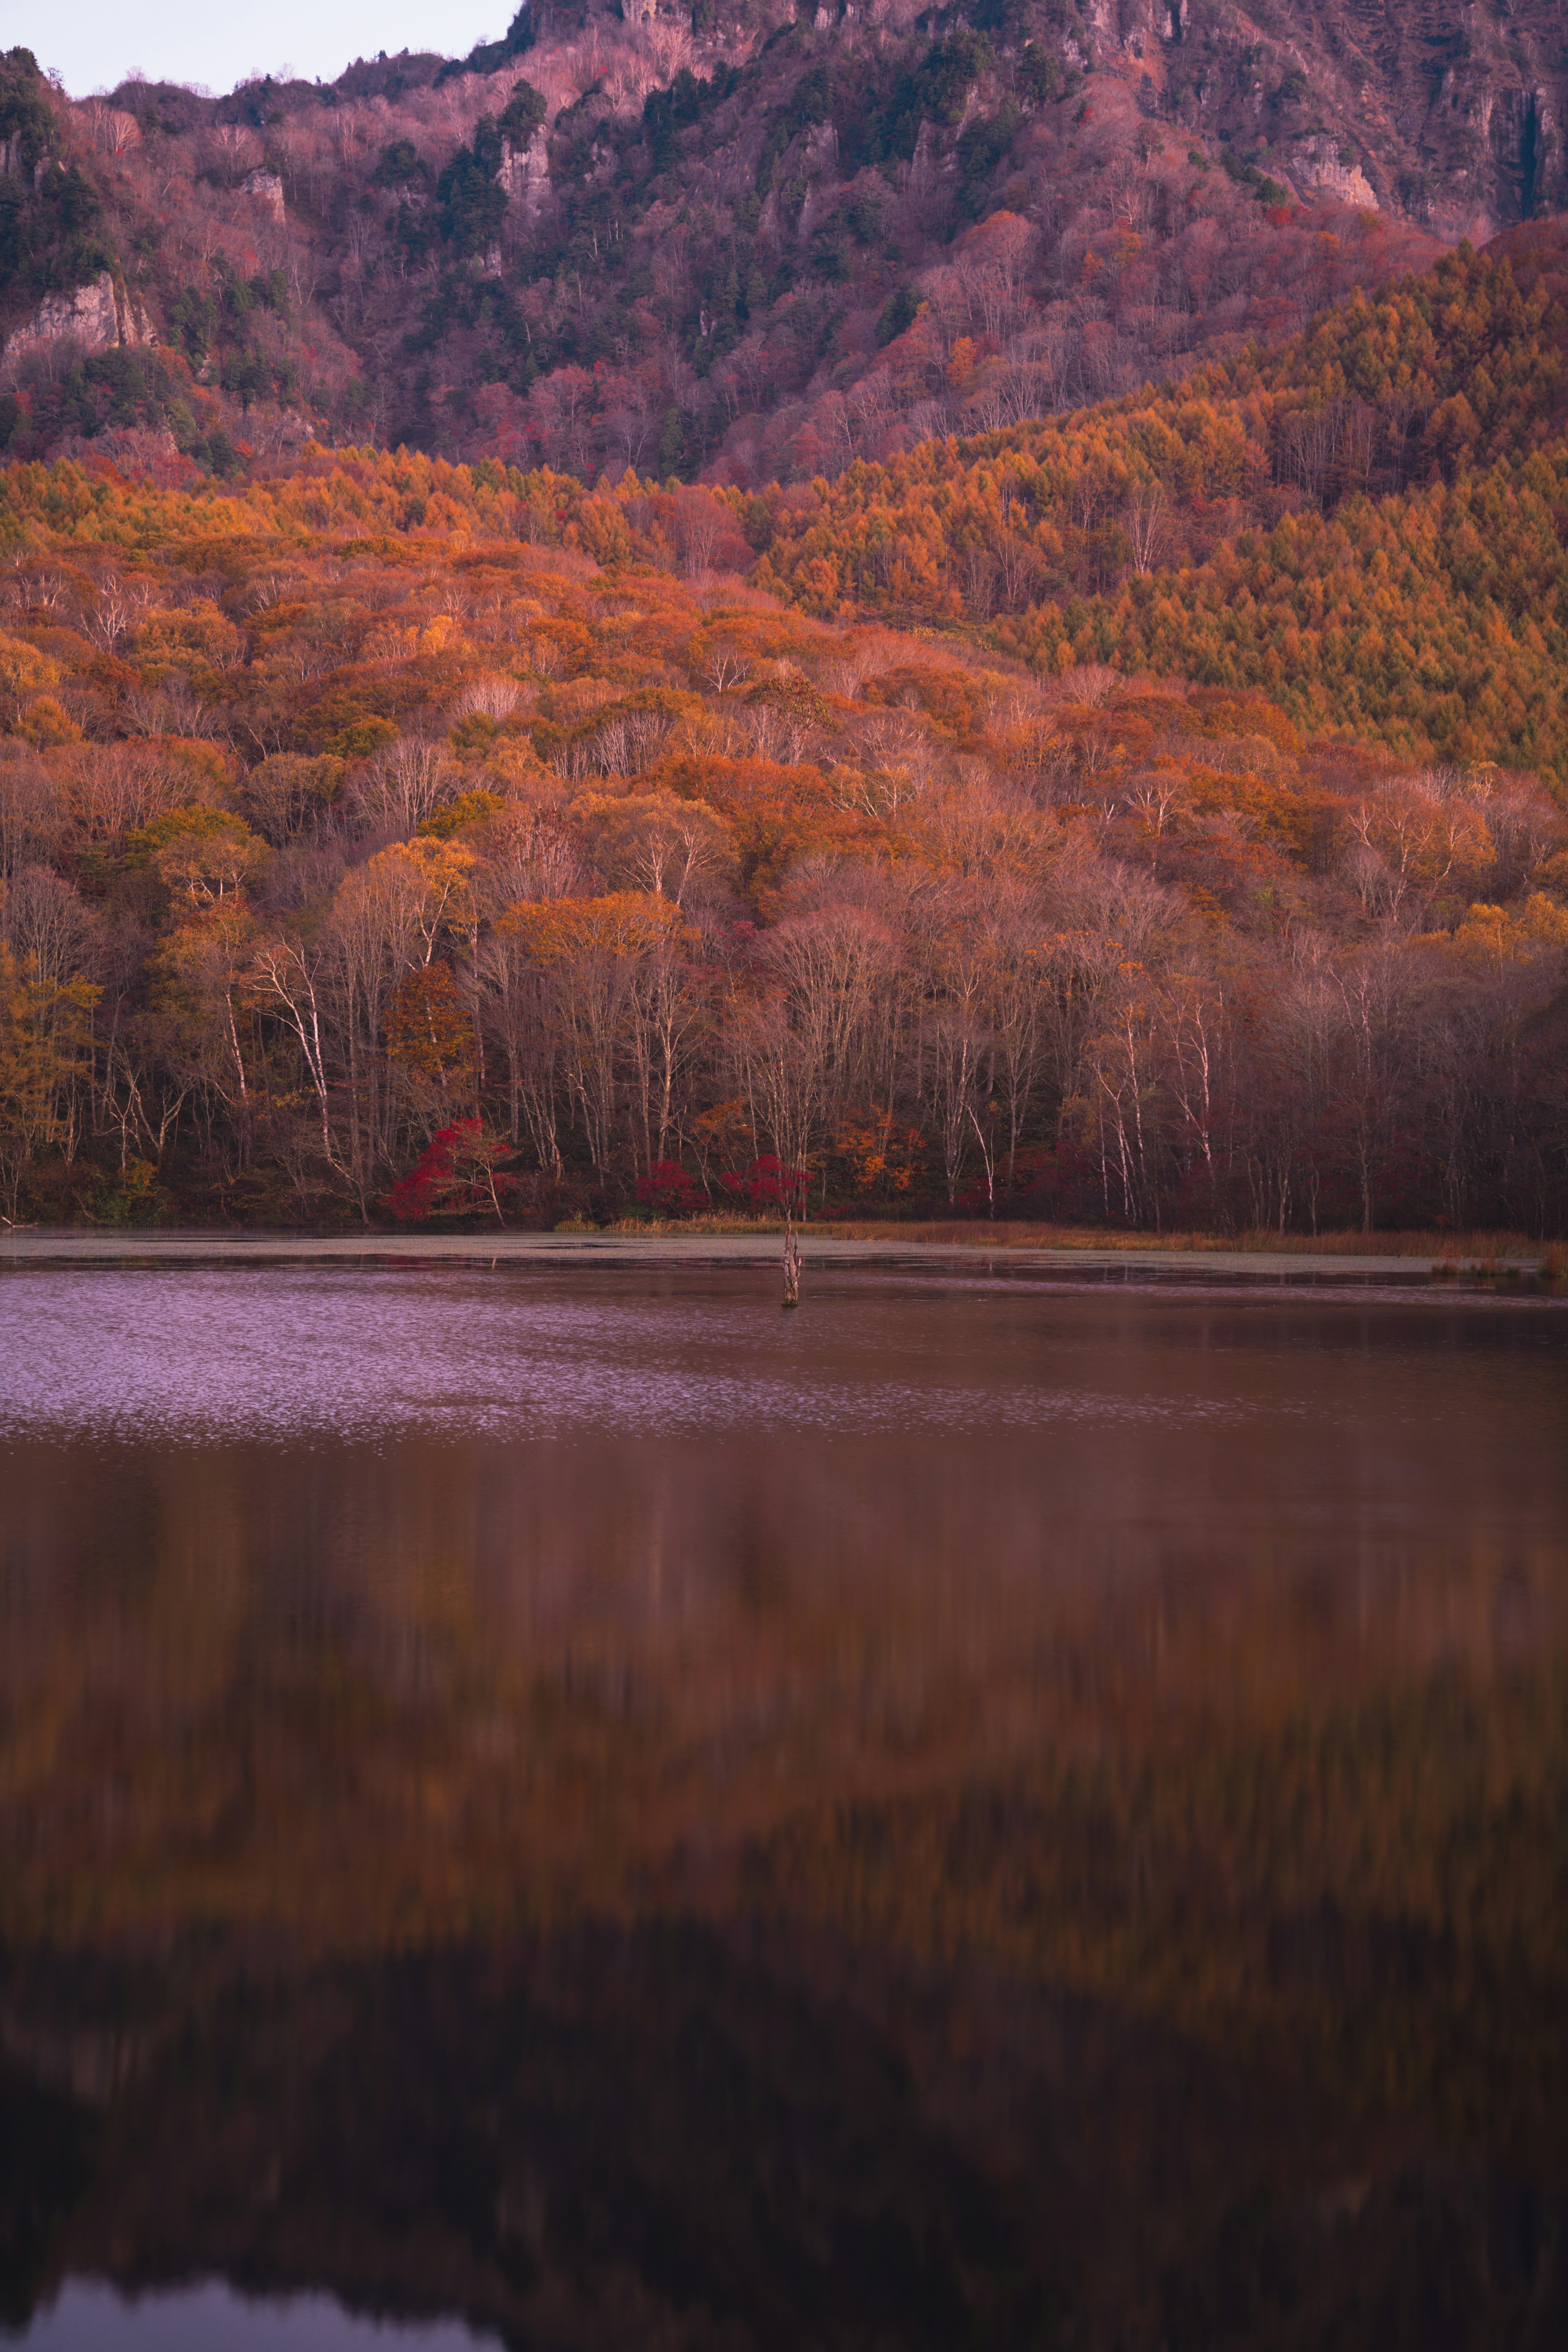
[(1453, 112), (97, 317)]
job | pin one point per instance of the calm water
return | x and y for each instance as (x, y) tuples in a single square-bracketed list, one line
[(569, 1808)]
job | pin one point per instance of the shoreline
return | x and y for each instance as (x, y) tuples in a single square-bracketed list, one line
[(69, 1246)]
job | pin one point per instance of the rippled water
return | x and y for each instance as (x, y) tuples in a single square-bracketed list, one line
[(571, 1804), (378, 1355), (89, 2318)]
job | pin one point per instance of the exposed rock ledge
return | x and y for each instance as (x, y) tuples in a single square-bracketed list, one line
[(265, 188), (98, 316), (524, 172), (1319, 167)]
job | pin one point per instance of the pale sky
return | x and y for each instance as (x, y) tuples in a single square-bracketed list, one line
[(94, 43)]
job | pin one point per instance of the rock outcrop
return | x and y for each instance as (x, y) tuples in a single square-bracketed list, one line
[(265, 188), (15, 166), (97, 317), (1326, 169), (1449, 111), (524, 172)]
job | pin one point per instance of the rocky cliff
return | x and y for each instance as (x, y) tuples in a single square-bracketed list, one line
[(1452, 113), (682, 239)]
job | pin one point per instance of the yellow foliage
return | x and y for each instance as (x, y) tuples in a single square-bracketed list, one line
[(624, 924), (25, 674), (45, 725), (1511, 934)]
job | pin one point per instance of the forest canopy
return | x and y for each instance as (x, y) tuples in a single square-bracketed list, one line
[(383, 837)]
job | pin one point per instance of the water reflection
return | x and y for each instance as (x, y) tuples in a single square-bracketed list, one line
[(972, 1813), (212, 2318)]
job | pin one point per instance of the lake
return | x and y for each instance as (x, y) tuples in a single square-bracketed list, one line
[(557, 1805)]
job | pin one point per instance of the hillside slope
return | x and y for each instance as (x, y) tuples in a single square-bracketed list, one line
[(1368, 521), (676, 243)]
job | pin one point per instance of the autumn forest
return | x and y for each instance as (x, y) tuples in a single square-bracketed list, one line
[(1143, 808)]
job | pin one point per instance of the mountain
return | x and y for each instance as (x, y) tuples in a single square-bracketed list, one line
[(680, 240)]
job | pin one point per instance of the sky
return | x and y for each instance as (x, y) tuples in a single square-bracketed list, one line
[(94, 43)]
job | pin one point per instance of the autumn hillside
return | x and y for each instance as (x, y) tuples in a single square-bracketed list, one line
[(396, 839), (1365, 521)]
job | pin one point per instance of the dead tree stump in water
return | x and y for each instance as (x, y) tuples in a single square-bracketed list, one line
[(790, 1268)]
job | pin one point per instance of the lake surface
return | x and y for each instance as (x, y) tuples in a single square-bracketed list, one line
[(564, 1807)]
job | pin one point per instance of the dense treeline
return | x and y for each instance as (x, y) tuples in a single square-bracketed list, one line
[(369, 844)]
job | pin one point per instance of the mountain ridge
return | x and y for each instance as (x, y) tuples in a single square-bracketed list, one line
[(679, 241)]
